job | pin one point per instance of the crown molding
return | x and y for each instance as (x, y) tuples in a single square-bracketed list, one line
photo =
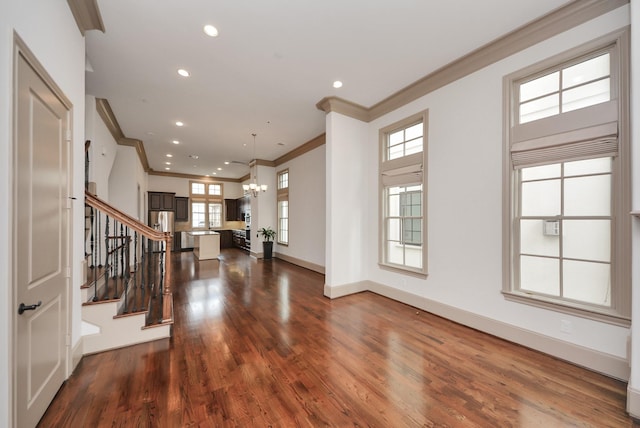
[(299, 151), (86, 14), (262, 162), (195, 177), (142, 154), (104, 110), (345, 107), (106, 113), (545, 27)]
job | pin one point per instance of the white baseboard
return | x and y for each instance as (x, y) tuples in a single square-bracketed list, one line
[(633, 402), (345, 289), (76, 356), (607, 364), (299, 262)]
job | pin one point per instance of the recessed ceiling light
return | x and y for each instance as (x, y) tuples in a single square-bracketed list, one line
[(169, 155), (210, 30), (194, 156), (176, 142), (167, 163), (219, 169), (226, 162), (337, 84), (182, 72), (178, 123), (214, 173), (168, 169)]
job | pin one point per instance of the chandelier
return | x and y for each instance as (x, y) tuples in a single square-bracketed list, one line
[(254, 188)]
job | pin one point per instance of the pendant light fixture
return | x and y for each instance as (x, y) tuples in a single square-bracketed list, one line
[(253, 187)]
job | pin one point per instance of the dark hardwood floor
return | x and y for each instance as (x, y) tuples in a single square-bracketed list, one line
[(256, 344)]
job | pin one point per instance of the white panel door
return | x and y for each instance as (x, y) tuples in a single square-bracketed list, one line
[(41, 239)]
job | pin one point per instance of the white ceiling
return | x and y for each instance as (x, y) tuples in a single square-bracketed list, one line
[(272, 62)]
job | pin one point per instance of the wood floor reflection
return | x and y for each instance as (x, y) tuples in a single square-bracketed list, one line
[(256, 344)]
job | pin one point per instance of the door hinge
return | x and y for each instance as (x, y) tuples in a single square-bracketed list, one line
[(67, 272)]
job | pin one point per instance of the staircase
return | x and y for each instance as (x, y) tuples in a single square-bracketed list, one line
[(127, 295)]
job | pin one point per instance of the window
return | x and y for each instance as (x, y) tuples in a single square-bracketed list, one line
[(283, 207), (566, 177), (402, 185), (215, 214), (215, 189), (568, 88), (206, 205)]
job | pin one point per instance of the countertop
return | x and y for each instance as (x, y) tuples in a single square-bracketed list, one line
[(202, 232)]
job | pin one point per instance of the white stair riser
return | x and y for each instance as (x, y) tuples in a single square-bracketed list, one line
[(117, 332)]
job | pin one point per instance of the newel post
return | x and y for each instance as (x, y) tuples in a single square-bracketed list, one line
[(167, 301)]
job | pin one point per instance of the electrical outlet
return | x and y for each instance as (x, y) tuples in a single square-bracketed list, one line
[(566, 326)]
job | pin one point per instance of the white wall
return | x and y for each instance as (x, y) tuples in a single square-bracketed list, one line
[(45, 26), (127, 174), (180, 186), (102, 151), (263, 207), (634, 380), (307, 199), (464, 195), (348, 186)]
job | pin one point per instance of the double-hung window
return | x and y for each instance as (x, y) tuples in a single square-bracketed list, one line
[(206, 204), (567, 183), (283, 207), (402, 195)]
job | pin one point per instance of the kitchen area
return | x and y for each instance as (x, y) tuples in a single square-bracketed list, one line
[(171, 213)]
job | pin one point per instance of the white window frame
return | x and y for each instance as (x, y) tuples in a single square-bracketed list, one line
[(213, 196), (595, 131), (408, 170), (282, 234)]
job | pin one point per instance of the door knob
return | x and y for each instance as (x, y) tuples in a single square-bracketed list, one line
[(24, 307)]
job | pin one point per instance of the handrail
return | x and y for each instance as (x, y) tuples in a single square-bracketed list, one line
[(124, 218), (148, 232)]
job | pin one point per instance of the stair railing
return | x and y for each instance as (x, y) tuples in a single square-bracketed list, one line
[(133, 257)]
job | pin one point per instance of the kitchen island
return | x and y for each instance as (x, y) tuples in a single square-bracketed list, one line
[(206, 244)]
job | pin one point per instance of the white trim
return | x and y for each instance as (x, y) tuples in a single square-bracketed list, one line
[(333, 292), (299, 262), (76, 355), (633, 402), (607, 364)]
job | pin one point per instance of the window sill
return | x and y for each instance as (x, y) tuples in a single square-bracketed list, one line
[(404, 270), (609, 316)]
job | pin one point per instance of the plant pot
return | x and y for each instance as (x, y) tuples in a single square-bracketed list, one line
[(267, 249)]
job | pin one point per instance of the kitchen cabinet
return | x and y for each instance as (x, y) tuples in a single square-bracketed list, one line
[(231, 207), (177, 241), (161, 201), (182, 208), (206, 244), (242, 206), (226, 238)]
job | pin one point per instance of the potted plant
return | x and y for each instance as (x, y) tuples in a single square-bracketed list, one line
[(267, 244)]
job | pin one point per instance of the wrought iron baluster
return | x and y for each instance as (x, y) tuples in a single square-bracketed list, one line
[(98, 245), (143, 267), (107, 265)]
